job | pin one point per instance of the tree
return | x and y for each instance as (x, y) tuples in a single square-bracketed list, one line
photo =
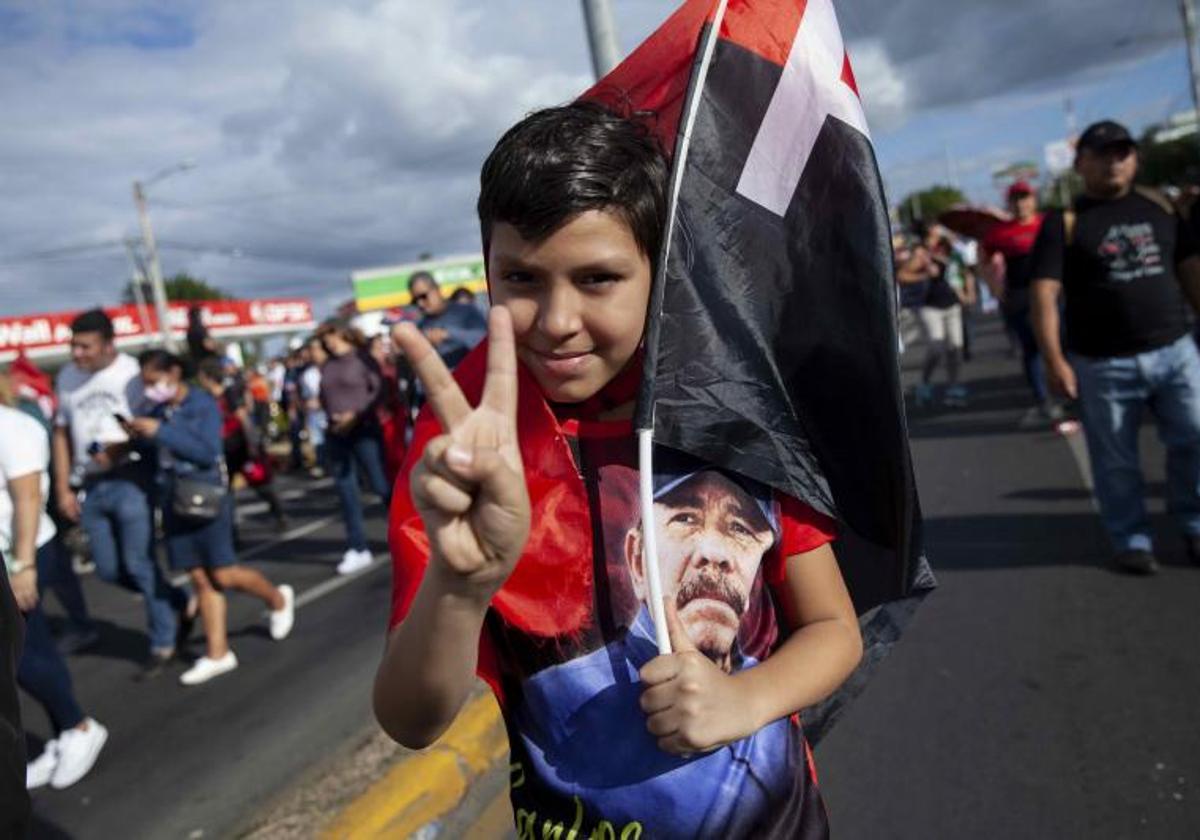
[(929, 203), (1174, 162), (181, 286), (1061, 190)]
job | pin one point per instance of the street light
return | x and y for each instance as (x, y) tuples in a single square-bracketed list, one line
[(602, 36), (157, 288)]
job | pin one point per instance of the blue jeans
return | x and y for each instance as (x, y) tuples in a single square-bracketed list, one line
[(120, 527), (43, 673), (1031, 358), (56, 575), (361, 446), (1112, 394)]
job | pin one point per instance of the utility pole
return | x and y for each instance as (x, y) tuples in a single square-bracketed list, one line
[(157, 288), (137, 284), (1188, 9), (602, 36)]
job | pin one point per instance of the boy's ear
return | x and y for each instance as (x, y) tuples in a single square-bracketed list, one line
[(633, 559)]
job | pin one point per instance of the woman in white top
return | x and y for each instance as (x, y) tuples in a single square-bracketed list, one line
[(25, 533)]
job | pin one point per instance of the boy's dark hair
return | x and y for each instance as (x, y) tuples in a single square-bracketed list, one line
[(560, 162), (93, 321)]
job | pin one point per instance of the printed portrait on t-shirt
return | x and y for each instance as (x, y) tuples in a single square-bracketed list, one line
[(711, 535), (582, 755)]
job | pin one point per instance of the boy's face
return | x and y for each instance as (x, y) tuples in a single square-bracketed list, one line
[(578, 300)]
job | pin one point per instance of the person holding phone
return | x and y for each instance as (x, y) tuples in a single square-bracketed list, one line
[(185, 427)]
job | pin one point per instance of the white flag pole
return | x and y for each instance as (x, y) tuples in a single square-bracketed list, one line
[(646, 436)]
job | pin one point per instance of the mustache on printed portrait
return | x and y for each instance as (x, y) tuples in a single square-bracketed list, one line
[(714, 587)]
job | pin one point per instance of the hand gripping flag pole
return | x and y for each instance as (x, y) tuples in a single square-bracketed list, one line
[(645, 420)]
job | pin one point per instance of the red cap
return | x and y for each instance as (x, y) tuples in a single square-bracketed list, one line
[(1019, 188)]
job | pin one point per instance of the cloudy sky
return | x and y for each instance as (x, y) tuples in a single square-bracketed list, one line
[(330, 135)]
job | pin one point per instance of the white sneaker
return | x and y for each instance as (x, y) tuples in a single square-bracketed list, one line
[(283, 619), (39, 771), (205, 669), (77, 752), (354, 561)]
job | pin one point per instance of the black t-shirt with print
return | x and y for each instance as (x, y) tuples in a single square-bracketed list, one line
[(1119, 274)]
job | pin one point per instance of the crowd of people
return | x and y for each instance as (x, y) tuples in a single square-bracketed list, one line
[(1100, 300), (148, 453)]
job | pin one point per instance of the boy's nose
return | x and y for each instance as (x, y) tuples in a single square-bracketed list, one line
[(559, 318)]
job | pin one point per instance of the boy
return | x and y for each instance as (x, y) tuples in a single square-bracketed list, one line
[(607, 737)]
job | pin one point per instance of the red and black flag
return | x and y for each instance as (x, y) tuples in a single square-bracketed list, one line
[(771, 345)]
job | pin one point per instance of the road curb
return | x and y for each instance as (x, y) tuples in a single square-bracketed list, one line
[(427, 786)]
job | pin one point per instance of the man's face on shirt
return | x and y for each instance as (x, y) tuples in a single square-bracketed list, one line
[(1108, 171), (91, 352), (711, 536), (427, 296)]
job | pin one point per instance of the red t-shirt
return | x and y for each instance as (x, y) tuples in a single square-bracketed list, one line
[(565, 638), (1013, 241)]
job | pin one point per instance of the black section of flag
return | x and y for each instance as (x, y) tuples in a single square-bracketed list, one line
[(777, 351)]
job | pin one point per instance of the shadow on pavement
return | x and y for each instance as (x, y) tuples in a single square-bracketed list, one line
[(987, 541)]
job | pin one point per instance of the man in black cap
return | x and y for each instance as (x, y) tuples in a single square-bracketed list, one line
[(1127, 266)]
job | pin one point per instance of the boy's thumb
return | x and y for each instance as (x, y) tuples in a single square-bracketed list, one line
[(681, 642)]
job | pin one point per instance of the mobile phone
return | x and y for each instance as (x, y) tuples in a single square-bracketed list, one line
[(121, 419)]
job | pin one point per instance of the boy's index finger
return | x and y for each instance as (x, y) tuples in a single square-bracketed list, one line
[(500, 389), (442, 392)]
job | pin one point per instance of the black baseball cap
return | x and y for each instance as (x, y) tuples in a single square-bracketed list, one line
[(1104, 134)]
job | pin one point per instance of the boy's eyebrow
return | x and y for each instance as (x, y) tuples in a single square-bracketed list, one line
[(617, 263)]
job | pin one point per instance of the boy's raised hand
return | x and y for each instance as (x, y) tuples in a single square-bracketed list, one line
[(469, 486)]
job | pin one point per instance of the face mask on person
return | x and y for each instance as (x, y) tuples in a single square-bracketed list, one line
[(161, 392)]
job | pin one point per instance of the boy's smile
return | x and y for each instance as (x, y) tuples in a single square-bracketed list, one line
[(578, 300)]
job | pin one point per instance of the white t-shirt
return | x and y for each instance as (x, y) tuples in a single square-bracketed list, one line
[(88, 401), (24, 449), (310, 383)]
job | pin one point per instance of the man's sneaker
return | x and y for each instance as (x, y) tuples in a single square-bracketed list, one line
[(1051, 412), (283, 619), (354, 561), (39, 771), (1136, 561), (77, 752), (157, 663), (205, 669)]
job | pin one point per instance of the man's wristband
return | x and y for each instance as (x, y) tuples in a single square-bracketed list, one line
[(15, 567)]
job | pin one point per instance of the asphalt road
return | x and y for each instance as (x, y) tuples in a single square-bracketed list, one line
[(197, 762), (1037, 693)]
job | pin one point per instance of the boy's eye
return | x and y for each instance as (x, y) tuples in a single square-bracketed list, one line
[(599, 279), (517, 277), (684, 517)]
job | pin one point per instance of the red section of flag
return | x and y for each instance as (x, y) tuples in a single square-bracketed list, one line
[(848, 75), (654, 78), (765, 27)]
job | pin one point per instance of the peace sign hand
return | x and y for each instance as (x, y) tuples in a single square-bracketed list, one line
[(469, 486)]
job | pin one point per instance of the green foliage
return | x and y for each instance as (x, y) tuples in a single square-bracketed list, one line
[(1174, 162), (1060, 191), (181, 286), (929, 203)]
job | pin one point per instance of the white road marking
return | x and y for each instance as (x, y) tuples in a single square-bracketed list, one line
[(336, 583)]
